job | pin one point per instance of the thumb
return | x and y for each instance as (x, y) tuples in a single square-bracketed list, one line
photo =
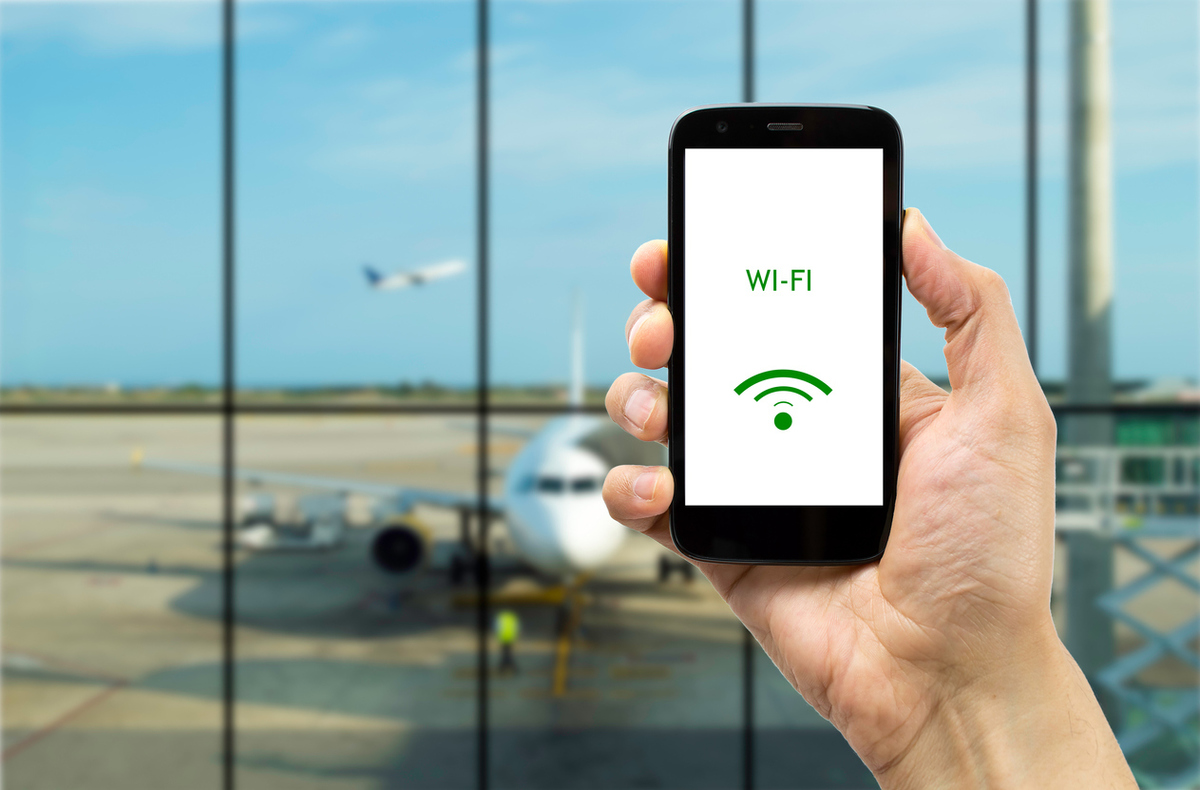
[(984, 348)]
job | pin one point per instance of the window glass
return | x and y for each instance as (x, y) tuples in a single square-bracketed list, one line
[(952, 74), (1154, 115), (583, 98), (612, 662), (1156, 106), (356, 642), (1128, 486), (356, 167), (628, 680), (112, 603), (110, 230)]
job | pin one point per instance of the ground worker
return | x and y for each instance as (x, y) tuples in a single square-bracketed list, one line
[(508, 628)]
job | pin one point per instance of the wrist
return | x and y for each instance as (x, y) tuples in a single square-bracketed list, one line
[(1032, 718)]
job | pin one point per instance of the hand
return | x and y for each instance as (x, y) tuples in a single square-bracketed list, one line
[(939, 663)]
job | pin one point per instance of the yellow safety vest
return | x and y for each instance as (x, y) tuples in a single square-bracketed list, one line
[(507, 627)]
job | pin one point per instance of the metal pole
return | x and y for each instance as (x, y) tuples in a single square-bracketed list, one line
[(1091, 260), (1090, 554), (747, 50)]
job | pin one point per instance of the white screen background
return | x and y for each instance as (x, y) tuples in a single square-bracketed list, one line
[(784, 209)]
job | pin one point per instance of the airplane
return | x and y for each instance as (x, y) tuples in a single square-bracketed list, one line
[(552, 501), (435, 271)]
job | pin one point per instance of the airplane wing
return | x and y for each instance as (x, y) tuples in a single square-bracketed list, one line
[(494, 429), (405, 497)]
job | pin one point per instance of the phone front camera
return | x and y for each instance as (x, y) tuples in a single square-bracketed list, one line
[(722, 127)]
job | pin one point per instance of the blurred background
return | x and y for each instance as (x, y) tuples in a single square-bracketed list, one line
[(301, 375)]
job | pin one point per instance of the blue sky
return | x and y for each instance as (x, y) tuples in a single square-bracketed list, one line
[(356, 144)]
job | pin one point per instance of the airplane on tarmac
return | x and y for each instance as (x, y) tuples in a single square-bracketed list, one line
[(434, 271), (552, 502)]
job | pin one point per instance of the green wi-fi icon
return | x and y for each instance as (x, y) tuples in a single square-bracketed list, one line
[(783, 420)]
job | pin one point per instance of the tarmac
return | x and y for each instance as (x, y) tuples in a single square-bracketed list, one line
[(345, 677)]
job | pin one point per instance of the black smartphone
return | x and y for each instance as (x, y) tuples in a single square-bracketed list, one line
[(784, 287)]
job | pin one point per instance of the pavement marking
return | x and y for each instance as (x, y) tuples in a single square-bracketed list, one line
[(73, 713)]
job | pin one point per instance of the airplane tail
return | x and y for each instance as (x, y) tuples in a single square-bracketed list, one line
[(373, 277), (575, 393)]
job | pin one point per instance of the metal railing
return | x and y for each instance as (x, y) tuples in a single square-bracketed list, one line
[(1146, 500)]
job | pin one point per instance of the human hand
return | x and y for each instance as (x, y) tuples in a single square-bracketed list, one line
[(939, 663)]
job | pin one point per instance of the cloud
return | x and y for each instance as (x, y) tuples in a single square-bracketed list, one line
[(550, 122), (546, 122), (71, 209), (137, 26), (953, 75), (344, 39), (361, 131)]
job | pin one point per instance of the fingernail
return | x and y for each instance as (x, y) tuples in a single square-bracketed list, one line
[(931, 233), (646, 484), (633, 329), (639, 406)]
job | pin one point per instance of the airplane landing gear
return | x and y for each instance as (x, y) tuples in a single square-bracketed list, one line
[(460, 570), (462, 563)]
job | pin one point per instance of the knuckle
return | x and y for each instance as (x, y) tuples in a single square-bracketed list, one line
[(990, 284), (953, 299), (980, 287), (1026, 414)]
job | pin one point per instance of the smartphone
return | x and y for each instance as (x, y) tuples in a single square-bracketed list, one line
[(784, 287)]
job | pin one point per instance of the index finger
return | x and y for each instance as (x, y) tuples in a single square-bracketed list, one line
[(649, 269)]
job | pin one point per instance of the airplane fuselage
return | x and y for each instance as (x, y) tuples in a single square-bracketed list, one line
[(555, 509)]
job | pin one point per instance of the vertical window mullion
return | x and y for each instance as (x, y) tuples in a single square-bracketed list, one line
[(481, 256), (1031, 181), (227, 390)]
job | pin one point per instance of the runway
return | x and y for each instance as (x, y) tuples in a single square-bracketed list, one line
[(345, 677)]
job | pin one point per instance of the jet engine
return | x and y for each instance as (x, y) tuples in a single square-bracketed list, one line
[(401, 546)]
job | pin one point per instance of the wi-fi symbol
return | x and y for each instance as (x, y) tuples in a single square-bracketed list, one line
[(783, 420)]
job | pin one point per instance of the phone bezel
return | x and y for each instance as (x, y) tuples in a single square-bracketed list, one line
[(797, 535)]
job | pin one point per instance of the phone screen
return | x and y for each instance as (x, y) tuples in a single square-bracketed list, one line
[(784, 355)]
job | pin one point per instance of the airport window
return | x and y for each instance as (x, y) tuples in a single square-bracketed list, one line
[(307, 311)]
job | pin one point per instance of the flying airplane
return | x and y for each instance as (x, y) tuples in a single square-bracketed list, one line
[(552, 502), (434, 271)]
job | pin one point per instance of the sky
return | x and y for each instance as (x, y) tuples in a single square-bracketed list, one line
[(356, 145)]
